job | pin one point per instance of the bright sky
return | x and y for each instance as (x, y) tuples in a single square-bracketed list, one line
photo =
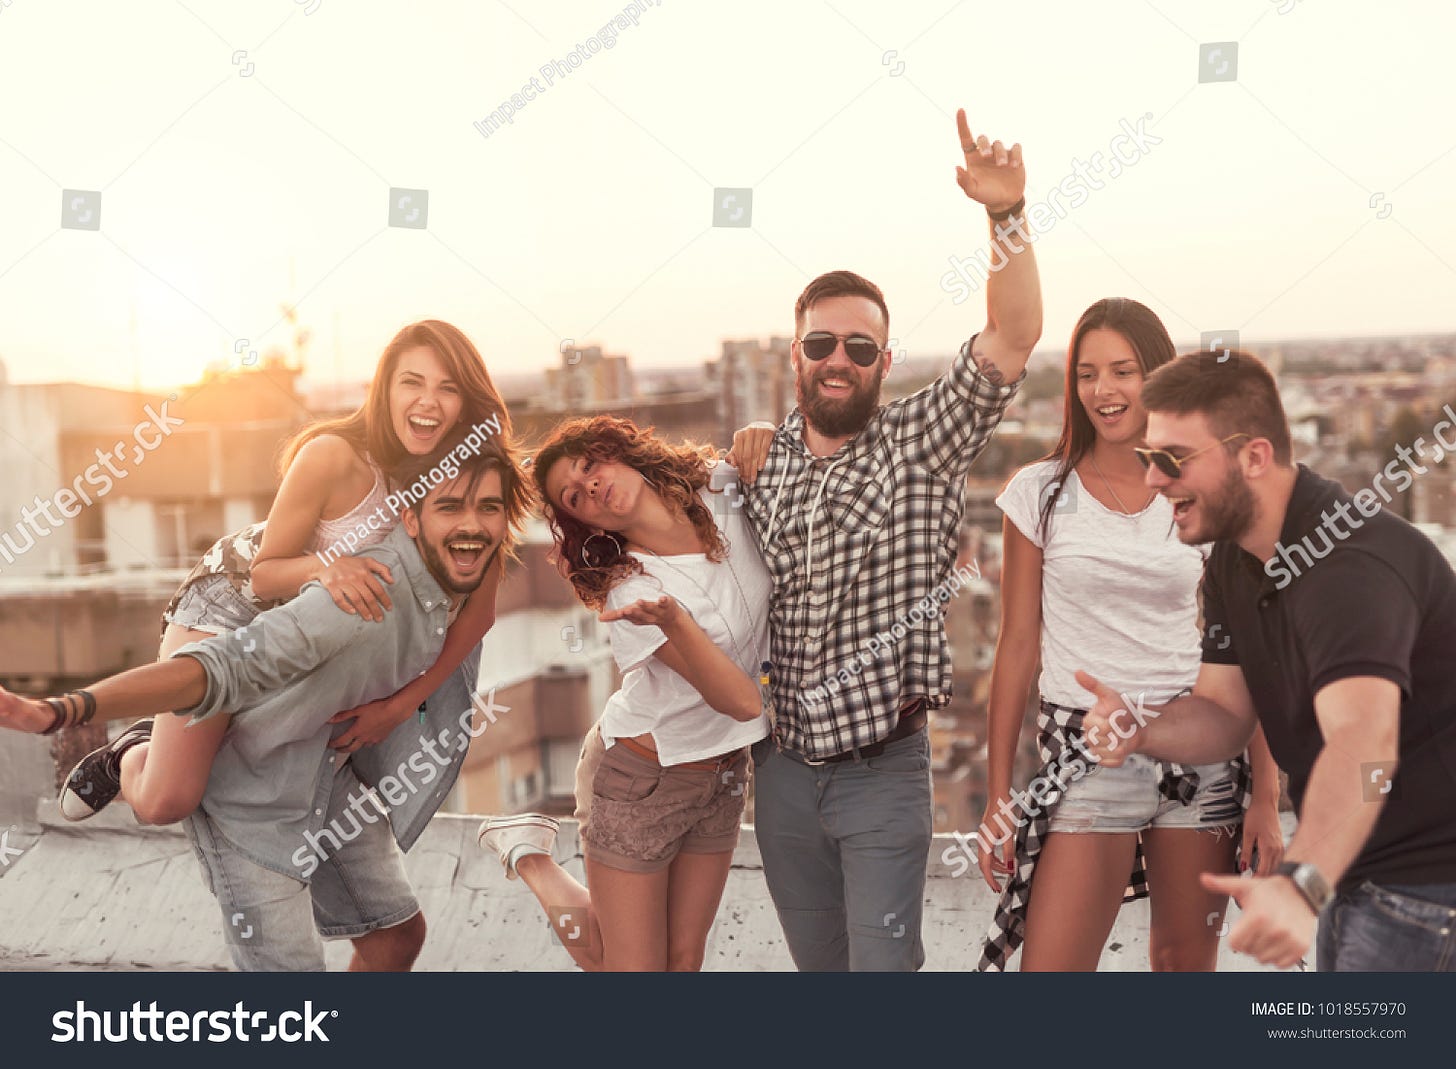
[(589, 216)]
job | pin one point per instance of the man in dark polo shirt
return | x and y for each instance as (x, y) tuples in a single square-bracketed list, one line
[(1334, 623)]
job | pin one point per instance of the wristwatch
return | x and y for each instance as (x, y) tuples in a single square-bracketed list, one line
[(1309, 881)]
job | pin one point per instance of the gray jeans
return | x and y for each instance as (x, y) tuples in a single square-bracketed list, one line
[(845, 849)]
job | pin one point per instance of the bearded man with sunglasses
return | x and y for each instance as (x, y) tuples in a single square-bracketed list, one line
[(1329, 622), (857, 509)]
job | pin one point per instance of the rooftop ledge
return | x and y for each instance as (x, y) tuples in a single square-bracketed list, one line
[(112, 895)]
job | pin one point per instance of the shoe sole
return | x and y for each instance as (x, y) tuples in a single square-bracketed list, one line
[(515, 822)]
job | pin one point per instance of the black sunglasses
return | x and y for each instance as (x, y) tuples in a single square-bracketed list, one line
[(1172, 466), (818, 344)]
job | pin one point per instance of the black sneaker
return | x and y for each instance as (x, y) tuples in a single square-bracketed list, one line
[(96, 779)]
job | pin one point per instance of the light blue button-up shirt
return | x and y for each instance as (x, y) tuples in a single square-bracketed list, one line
[(285, 674)]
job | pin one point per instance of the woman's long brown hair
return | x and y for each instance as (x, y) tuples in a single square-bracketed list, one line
[(370, 431), (1144, 331)]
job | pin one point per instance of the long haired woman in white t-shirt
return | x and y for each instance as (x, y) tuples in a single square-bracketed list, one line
[(646, 535), (1094, 574)]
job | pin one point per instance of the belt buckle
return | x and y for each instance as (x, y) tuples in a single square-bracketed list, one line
[(813, 762)]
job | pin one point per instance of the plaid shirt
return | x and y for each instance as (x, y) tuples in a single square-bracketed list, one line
[(860, 545)]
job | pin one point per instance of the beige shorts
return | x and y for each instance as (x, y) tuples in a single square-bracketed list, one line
[(642, 815)]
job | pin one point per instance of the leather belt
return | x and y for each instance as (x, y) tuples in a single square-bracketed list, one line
[(710, 764), (909, 723)]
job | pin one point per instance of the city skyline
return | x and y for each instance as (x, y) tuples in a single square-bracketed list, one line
[(250, 159)]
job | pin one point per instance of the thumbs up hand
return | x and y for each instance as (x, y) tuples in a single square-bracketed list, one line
[(1114, 725)]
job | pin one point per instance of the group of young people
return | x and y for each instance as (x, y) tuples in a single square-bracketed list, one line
[(323, 709)]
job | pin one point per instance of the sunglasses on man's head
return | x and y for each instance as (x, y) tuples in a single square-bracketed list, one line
[(1172, 466), (863, 350)]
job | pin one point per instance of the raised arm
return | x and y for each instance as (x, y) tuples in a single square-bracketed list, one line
[(945, 426), (994, 176)]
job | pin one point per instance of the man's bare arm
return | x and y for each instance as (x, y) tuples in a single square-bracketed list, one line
[(1212, 724)]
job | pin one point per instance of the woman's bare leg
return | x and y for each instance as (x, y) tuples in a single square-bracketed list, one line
[(1075, 895), (557, 890), (163, 780), (694, 893), (1187, 920), (631, 908)]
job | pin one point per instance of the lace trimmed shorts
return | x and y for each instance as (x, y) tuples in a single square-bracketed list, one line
[(643, 815)]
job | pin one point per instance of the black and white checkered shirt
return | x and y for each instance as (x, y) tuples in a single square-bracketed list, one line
[(860, 545)]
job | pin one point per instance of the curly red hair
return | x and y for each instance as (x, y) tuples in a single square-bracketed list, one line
[(675, 472)]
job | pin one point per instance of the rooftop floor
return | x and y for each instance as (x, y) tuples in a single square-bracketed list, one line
[(111, 895)]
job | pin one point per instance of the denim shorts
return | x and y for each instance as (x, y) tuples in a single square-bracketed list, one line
[(643, 815), (1126, 799), (211, 604), (277, 923), (1389, 928)]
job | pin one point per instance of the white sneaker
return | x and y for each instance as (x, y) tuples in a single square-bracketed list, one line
[(513, 838)]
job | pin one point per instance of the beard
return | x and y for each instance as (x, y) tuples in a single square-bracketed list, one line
[(1227, 517), (836, 418), (440, 569)]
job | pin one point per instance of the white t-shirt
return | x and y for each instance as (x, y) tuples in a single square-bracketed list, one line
[(1118, 592), (729, 601)]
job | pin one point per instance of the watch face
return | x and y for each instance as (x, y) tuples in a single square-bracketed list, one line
[(1313, 884)]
